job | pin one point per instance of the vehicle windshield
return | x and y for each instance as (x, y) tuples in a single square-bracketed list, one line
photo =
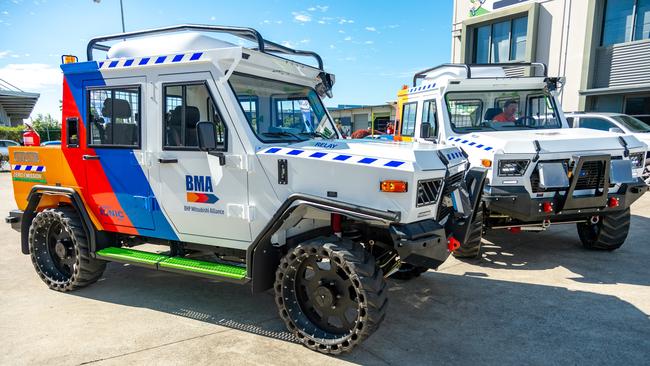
[(632, 124), (501, 111), (279, 111)]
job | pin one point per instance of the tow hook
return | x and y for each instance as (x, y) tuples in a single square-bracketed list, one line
[(453, 244), (546, 223), (594, 220)]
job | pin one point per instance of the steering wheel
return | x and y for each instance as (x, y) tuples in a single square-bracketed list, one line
[(521, 121)]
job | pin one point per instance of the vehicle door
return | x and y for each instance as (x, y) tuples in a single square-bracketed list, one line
[(200, 196), (117, 179)]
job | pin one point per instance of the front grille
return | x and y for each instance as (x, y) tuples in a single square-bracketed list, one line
[(428, 191), (452, 183), (591, 176)]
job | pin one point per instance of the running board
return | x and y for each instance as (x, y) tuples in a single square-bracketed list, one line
[(173, 264)]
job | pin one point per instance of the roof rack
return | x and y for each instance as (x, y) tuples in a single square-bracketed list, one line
[(468, 68), (248, 34)]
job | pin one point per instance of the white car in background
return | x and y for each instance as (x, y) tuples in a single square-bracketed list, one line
[(4, 154), (614, 122)]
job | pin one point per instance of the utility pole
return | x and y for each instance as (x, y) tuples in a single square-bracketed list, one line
[(121, 13)]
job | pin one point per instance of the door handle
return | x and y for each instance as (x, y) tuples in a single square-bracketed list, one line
[(90, 157), (167, 160)]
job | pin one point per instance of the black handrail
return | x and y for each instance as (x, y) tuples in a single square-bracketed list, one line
[(468, 68), (248, 34)]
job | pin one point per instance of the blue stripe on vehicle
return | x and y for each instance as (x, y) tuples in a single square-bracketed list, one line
[(457, 139), (463, 142), (101, 64), (113, 63), (394, 163), (487, 149), (128, 62), (367, 160), (161, 59), (177, 58), (295, 152), (450, 138), (144, 61), (39, 169), (472, 143), (17, 167), (479, 146), (196, 56), (342, 157), (317, 155), (272, 150)]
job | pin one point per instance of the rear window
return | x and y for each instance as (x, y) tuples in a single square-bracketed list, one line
[(114, 117)]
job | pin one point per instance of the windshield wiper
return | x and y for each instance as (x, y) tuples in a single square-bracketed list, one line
[(282, 133), (315, 134)]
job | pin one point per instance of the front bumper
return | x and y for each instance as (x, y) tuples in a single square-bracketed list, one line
[(516, 203), (15, 219)]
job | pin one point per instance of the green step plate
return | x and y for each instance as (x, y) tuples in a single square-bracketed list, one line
[(208, 268), (130, 255), (176, 263)]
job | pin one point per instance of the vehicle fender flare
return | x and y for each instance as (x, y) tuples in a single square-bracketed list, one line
[(263, 258), (34, 198)]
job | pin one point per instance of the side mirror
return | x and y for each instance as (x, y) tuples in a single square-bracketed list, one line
[(206, 134), (616, 130), (425, 130)]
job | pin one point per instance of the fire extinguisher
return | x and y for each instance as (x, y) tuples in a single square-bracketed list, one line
[(30, 136)]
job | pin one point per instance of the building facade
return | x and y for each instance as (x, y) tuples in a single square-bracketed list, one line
[(601, 47), (15, 104), (361, 117)]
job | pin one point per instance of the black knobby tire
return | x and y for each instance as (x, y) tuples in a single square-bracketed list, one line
[(59, 250), (408, 271), (472, 246), (330, 276), (608, 234)]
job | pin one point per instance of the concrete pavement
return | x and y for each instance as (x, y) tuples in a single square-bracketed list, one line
[(536, 299)]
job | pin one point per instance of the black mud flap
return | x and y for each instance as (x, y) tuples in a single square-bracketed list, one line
[(470, 194)]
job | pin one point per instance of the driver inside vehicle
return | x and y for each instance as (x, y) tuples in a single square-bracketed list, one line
[(509, 113)]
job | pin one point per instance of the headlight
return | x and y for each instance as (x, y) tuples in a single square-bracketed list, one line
[(512, 168), (637, 159)]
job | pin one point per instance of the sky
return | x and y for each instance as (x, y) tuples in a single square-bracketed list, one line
[(373, 47)]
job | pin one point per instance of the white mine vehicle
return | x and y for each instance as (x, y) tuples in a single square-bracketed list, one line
[(540, 171), (226, 156)]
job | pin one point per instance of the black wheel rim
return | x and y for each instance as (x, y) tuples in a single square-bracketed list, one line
[(55, 252), (325, 301), (61, 249)]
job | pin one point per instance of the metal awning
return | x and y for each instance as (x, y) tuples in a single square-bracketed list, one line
[(640, 88), (16, 103)]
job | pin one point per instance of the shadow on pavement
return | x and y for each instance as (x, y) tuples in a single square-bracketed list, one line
[(437, 318), (560, 246)]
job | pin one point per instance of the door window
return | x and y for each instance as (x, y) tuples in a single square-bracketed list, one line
[(114, 117), (409, 112), (185, 106), (429, 116)]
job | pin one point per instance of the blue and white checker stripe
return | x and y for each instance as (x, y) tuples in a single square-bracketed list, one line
[(29, 168), (454, 155), (335, 156), (468, 142), (420, 88), (125, 62)]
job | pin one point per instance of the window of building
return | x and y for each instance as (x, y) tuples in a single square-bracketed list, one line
[(114, 117), (185, 106), (501, 42), (626, 21), (429, 116)]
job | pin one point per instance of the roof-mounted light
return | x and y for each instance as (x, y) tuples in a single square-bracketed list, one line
[(69, 59)]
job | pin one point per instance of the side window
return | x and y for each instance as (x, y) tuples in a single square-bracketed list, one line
[(250, 106), (409, 112), (294, 113), (429, 116), (114, 117), (185, 106), (596, 123), (540, 111)]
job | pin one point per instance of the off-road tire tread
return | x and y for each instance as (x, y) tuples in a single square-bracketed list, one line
[(372, 286), (613, 230), (87, 269)]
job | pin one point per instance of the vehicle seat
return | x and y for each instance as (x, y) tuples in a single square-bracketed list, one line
[(123, 132), (492, 112), (192, 117)]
